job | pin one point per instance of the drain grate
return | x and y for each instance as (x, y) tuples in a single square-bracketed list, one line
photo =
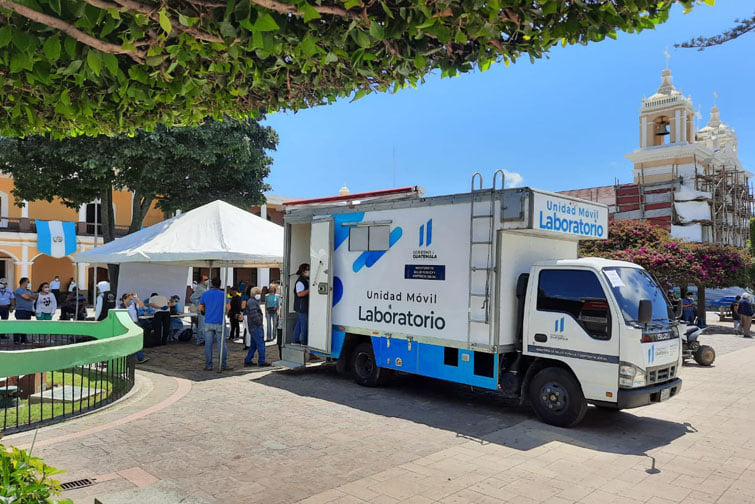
[(74, 485)]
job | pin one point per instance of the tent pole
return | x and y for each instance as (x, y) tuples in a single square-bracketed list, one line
[(222, 327)]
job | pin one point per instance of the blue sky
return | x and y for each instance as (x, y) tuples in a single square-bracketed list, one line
[(561, 123)]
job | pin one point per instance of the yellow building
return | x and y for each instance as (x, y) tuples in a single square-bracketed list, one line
[(19, 255)]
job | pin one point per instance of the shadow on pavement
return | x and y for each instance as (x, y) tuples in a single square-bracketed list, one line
[(478, 414), (186, 360)]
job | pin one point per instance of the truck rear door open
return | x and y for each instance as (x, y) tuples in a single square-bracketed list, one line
[(320, 285)]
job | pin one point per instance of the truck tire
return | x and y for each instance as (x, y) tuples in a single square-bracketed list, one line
[(705, 355), (557, 397), (365, 369)]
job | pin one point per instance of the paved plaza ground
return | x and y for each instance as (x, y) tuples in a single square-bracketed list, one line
[(273, 436)]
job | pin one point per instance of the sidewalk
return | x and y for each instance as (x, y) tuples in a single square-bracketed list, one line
[(257, 435)]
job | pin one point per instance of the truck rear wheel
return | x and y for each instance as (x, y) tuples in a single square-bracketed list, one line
[(365, 369), (705, 355), (557, 397)]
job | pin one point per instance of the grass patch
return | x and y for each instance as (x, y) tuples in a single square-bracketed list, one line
[(85, 382)]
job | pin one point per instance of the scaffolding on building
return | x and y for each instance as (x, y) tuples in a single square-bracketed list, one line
[(731, 203)]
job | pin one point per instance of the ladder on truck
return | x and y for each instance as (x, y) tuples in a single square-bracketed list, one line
[(482, 267)]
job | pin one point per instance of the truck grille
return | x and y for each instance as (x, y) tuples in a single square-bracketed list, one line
[(661, 374)]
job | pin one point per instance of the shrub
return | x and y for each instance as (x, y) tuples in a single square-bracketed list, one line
[(26, 480)]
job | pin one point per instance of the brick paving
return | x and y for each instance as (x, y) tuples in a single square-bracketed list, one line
[(261, 435)]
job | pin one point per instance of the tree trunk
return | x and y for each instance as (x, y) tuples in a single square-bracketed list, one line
[(701, 304), (139, 211), (108, 233)]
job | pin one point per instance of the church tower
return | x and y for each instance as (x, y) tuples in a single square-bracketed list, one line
[(687, 181)]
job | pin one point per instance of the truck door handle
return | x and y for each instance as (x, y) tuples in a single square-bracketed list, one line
[(323, 288), (541, 338)]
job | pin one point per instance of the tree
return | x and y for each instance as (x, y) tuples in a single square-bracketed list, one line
[(108, 66), (673, 262), (178, 168), (743, 26)]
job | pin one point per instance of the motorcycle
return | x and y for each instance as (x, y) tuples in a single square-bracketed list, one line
[(692, 349)]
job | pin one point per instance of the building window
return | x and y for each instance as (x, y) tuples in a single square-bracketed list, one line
[(94, 218), (3, 210), (577, 293), (362, 238)]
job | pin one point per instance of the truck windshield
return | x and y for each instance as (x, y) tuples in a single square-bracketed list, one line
[(630, 285)]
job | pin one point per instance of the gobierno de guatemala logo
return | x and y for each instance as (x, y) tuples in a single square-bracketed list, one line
[(425, 239)]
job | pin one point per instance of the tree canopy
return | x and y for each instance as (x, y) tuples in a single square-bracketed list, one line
[(107, 66), (179, 167), (742, 26)]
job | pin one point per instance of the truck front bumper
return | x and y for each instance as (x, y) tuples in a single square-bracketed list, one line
[(634, 398)]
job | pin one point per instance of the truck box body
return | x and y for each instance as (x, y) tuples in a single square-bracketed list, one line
[(482, 288), (401, 269)]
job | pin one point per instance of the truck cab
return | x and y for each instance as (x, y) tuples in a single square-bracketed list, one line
[(585, 339)]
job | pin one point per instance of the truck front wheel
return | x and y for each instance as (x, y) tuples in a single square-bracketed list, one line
[(557, 398), (365, 369)]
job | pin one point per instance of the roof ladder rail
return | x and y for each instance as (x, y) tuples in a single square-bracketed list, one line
[(482, 213)]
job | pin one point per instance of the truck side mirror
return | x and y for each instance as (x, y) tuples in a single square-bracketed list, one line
[(645, 311), (678, 310)]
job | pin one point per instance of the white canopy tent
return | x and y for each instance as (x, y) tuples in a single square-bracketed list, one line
[(214, 235)]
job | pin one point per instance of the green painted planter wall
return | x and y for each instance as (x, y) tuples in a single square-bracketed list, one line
[(116, 336)]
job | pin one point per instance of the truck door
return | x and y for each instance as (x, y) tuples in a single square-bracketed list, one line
[(320, 285), (571, 322)]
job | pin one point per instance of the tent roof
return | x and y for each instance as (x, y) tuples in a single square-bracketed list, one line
[(217, 233)]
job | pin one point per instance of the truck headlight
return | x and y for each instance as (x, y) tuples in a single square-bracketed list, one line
[(631, 376)]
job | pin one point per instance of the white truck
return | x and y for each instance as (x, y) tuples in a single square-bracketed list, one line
[(481, 288)]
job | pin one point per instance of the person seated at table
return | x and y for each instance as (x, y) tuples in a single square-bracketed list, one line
[(68, 308), (131, 302), (176, 324), (161, 318)]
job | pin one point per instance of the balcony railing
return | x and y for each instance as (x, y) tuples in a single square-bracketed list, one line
[(26, 225)]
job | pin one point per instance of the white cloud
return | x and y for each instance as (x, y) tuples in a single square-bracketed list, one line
[(512, 179)]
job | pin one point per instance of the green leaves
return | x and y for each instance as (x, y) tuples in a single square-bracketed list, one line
[(94, 61), (177, 64), (165, 21), (52, 48), (265, 23)]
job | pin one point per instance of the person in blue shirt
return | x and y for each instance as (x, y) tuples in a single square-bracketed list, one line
[(6, 301), (24, 306), (745, 314), (213, 305), (689, 309)]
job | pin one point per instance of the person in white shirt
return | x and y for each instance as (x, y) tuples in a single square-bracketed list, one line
[(55, 288), (72, 285), (131, 302), (46, 302)]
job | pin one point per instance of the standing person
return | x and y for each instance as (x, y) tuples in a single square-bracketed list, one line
[(235, 314), (301, 304), (254, 321), (6, 301), (105, 300), (161, 319), (47, 303), (689, 309), (72, 285), (245, 304), (24, 306), (272, 301), (200, 289), (130, 302), (735, 312), (55, 288), (213, 305), (745, 314)]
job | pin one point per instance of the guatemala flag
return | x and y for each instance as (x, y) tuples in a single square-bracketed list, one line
[(56, 238)]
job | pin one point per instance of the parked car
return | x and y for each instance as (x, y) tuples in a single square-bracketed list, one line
[(723, 306)]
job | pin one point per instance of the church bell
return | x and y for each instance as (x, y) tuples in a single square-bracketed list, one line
[(662, 128)]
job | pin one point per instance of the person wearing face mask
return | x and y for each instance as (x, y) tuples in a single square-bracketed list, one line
[(200, 289), (272, 301), (6, 301), (254, 324), (131, 302), (46, 302), (105, 301), (24, 306), (301, 304)]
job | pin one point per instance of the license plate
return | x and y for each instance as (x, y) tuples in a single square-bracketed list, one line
[(665, 394)]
